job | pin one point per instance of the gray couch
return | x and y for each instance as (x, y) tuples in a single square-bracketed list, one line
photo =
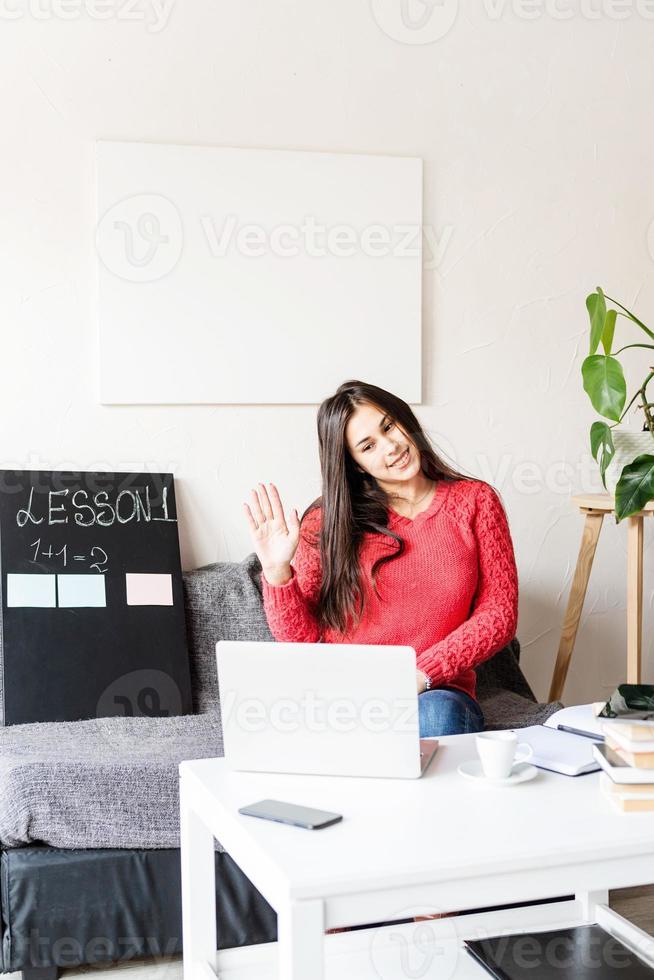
[(89, 826)]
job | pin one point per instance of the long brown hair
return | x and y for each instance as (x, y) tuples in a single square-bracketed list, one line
[(353, 503)]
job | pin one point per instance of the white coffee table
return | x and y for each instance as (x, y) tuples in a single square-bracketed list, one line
[(404, 847)]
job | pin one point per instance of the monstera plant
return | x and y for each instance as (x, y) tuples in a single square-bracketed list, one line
[(627, 457)]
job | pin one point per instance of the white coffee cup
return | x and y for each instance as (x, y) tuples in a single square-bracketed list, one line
[(498, 753)]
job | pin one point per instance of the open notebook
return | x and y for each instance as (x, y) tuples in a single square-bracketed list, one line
[(561, 751)]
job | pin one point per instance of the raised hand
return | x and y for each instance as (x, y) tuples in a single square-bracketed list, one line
[(275, 539)]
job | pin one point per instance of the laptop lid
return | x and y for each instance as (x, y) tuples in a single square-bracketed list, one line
[(319, 708)]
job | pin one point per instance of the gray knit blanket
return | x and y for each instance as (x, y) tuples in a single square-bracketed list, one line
[(107, 782)]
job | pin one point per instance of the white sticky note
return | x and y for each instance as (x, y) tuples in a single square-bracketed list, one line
[(81, 590), (32, 589), (149, 589)]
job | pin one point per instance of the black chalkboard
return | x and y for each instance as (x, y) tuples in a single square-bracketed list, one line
[(93, 618)]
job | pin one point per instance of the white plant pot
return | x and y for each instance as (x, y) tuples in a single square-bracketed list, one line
[(628, 445)]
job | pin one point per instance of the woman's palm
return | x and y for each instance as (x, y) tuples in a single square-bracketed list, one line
[(274, 538)]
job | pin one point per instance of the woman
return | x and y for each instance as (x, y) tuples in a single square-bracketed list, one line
[(400, 549)]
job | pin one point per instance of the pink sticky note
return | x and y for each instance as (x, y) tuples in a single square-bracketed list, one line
[(147, 589)]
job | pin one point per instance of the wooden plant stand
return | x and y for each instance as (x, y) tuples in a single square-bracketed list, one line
[(595, 506)]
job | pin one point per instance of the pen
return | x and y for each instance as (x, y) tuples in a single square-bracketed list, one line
[(577, 731)]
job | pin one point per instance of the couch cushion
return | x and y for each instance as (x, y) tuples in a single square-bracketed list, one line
[(506, 709), (502, 673), (504, 694), (223, 602)]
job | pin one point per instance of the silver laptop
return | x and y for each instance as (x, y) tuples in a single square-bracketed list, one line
[(321, 708)]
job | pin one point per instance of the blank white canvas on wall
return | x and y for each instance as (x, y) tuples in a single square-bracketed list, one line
[(256, 276)]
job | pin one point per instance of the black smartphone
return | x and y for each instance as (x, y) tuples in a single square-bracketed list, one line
[(298, 816)]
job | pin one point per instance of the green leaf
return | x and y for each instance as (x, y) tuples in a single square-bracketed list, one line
[(601, 446), (635, 487), (605, 385), (596, 306), (631, 316), (609, 330)]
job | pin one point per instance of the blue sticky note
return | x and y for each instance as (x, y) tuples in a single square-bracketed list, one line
[(32, 589), (81, 590)]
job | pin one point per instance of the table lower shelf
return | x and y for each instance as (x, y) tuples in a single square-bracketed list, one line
[(433, 949)]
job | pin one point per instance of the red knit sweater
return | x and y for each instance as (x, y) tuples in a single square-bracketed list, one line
[(452, 595)]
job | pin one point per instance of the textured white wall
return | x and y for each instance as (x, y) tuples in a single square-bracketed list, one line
[(535, 129)]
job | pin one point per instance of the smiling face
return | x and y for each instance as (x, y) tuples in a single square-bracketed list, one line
[(379, 447)]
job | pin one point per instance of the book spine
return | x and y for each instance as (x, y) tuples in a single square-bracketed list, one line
[(626, 790), (633, 806), (638, 760), (629, 735)]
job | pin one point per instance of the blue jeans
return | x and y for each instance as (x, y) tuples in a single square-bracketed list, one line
[(448, 711)]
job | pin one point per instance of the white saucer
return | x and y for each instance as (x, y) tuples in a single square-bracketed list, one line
[(522, 772)]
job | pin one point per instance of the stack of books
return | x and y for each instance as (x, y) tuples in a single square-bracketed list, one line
[(627, 758)]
